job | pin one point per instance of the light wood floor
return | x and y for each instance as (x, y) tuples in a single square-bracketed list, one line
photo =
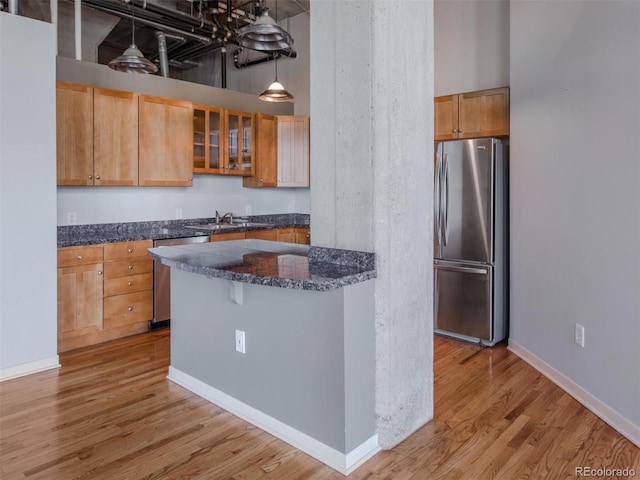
[(109, 413)]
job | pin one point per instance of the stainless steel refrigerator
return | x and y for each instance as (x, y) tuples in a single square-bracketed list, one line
[(471, 240)]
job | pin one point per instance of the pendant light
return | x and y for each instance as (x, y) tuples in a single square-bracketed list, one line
[(276, 92), (265, 34), (132, 60)]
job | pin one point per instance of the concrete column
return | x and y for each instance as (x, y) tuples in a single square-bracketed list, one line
[(372, 173)]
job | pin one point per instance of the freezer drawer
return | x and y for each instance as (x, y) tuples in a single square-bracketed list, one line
[(463, 300)]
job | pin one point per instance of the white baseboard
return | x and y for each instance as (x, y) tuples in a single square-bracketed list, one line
[(596, 406), (29, 368), (343, 463)]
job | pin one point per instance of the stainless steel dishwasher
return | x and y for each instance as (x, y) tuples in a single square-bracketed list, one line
[(162, 282)]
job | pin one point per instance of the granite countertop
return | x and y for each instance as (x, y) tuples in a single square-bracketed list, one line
[(91, 234), (275, 264)]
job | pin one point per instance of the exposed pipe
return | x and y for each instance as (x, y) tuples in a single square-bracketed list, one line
[(271, 56), (223, 67), (159, 26), (13, 7), (54, 20), (78, 28), (162, 54)]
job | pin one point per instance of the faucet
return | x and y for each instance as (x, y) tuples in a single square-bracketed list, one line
[(220, 219)]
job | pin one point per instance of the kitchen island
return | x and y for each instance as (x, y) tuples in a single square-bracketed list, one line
[(307, 315)]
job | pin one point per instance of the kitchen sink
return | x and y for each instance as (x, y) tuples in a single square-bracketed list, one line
[(225, 226)]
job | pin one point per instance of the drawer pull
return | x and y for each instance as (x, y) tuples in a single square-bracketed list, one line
[(130, 309), (130, 267), (130, 250), (130, 284), (79, 257)]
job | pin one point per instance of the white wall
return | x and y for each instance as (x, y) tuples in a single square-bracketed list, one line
[(209, 193), (575, 201), (471, 45), (28, 335)]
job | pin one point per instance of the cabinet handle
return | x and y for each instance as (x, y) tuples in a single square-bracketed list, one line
[(130, 309), (130, 250), (455, 130), (79, 257), (130, 267), (99, 272), (459, 130), (97, 177), (90, 177), (130, 284)]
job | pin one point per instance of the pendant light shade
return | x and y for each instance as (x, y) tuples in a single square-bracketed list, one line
[(275, 93), (132, 60), (264, 35)]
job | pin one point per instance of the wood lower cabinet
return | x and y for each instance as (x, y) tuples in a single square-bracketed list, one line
[(271, 235), (104, 292), (221, 237), (484, 113), (294, 235)]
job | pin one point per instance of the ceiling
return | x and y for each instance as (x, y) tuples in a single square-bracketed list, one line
[(193, 27)]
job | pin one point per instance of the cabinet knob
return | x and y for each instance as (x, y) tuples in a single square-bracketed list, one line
[(459, 130), (130, 284), (191, 179), (97, 177), (130, 267), (90, 177), (99, 272), (79, 257), (130, 309), (455, 130), (130, 250)]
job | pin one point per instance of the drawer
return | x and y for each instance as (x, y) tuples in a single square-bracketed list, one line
[(128, 284), (117, 251), (128, 308), (263, 234), (74, 256), (123, 268), (222, 237)]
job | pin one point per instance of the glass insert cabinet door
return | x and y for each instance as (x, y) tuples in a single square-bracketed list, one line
[(240, 159), (207, 137)]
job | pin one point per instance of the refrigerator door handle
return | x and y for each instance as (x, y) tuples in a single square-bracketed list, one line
[(445, 203), (436, 201), (479, 271)]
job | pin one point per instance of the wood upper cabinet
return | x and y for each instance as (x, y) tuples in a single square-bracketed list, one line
[(208, 139), (484, 113), (282, 149), (266, 127), (97, 135), (115, 137), (74, 131), (165, 142), (293, 151), (238, 158)]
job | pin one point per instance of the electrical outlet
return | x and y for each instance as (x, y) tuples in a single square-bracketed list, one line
[(72, 218), (247, 210), (240, 345), (579, 334), (178, 213)]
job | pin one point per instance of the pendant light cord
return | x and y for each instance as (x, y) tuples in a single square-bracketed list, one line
[(133, 23)]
